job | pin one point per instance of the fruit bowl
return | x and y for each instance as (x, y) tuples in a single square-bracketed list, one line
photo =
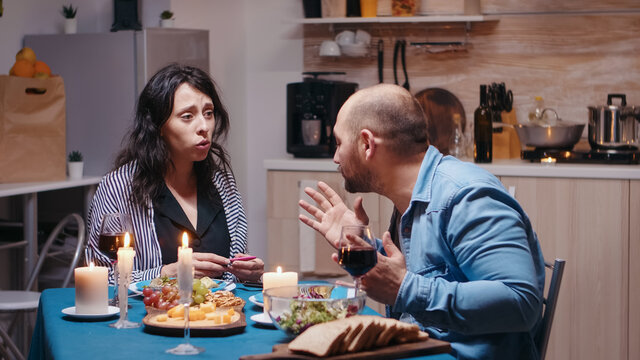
[(295, 308)]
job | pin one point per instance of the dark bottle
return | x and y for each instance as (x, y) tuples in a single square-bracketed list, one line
[(482, 130)]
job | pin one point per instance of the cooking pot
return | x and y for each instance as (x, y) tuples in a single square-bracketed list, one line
[(613, 126), (557, 134)]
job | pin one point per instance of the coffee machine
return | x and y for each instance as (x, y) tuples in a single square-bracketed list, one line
[(312, 107)]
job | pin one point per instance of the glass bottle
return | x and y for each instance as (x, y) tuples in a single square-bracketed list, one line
[(535, 115), (482, 130), (458, 143)]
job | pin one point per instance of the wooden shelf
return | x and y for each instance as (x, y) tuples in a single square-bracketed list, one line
[(401, 19)]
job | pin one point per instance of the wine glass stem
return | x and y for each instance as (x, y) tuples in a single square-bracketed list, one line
[(186, 323), (356, 280), (115, 278)]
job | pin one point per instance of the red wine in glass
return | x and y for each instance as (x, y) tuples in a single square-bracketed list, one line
[(357, 250), (357, 261), (109, 243)]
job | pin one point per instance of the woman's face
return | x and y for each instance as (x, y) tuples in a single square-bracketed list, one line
[(190, 126)]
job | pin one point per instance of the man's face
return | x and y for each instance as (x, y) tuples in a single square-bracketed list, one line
[(357, 177)]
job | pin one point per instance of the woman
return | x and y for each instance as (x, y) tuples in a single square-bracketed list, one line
[(174, 176)]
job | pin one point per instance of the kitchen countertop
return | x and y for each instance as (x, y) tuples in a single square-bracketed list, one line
[(510, 167)]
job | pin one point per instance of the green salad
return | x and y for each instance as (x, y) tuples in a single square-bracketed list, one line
[(307, 313)]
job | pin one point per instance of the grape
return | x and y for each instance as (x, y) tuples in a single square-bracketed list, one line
[(153, 298), (147, 291), (147, 301), (198, 299), (167, 289), (202, 291), (163, 305)]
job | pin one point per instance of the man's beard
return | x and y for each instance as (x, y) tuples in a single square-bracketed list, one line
[(360, 180)]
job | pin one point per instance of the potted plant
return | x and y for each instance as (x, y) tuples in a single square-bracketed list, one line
[(166, 19), (70, 21), (75, 165)]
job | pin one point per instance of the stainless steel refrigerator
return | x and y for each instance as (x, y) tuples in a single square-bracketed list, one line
[(104, 73)]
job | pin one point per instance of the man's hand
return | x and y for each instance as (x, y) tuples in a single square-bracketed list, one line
[(331, 213), (383, 282)]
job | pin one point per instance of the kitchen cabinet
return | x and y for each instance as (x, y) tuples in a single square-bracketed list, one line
[(634, 269), (586, 222)]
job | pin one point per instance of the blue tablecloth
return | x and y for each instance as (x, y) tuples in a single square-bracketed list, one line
[(57, 336)]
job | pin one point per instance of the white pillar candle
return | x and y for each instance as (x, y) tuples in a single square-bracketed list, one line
[(185, 269), (91, 289), (125, 266), (279, 278)]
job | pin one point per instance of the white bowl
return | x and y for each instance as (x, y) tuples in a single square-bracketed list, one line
[(346, 37), (354, 50), (329, 48), (363, 37)]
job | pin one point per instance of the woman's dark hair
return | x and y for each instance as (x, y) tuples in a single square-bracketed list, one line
[(145, 145)]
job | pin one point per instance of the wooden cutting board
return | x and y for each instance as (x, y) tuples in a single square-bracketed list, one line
[(429, 347)]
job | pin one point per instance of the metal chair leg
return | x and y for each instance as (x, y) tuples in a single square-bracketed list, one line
[(11, 346)]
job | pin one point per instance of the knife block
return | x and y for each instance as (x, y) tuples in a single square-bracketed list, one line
[(506, 144)]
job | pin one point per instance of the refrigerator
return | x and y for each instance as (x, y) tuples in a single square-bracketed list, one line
[(103, 74)]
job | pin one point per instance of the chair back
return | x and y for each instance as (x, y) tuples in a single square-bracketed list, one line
[(79, 250), (550, 301)]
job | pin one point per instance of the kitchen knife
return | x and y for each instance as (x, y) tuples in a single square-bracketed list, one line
[(380, 60)]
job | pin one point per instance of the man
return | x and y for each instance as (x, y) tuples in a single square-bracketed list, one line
[(467, 266)]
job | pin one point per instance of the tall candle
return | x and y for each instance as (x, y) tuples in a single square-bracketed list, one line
[(91, 289), (125, 266), (185, 269)]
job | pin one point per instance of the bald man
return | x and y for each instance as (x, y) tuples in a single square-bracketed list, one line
[(466, 265)]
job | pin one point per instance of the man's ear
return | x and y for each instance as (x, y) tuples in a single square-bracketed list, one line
[(368, 143)]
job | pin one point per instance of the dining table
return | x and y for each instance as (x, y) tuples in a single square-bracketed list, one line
[(59, 336)]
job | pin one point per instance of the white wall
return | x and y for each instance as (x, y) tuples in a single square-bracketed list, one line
[(255, 51)]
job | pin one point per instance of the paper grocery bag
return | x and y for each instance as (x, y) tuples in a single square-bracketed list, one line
[(32, 129)]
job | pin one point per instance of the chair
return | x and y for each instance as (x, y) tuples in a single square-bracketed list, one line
[(542, 337), (18, 302)]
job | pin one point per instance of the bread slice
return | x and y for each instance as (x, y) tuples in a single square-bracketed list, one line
[(356, 327), (321, 339), (369, 328), (390, 329)]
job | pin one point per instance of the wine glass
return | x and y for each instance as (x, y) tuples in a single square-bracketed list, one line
[(112, 231), (357, 251)]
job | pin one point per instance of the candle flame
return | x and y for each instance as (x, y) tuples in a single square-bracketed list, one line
[(185, 240), (91, 265), (279, 269), (127, 240)]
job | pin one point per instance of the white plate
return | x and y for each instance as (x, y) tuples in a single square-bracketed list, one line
[(71, 311), (262, 318), (253, 299), (135, 287)]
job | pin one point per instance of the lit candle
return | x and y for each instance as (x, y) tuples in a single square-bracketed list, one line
[(91, 289), (279, 278), (548, 161), (125, 266), (185, 269)]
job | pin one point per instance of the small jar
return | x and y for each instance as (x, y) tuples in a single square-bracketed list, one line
[(403, 7)]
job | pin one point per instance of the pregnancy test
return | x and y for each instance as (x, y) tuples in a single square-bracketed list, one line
[(245, 258)]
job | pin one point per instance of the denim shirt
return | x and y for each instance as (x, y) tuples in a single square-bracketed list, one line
[(475, 270)]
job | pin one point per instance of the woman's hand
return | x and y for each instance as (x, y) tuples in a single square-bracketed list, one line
[(204, 264), (250, 270)]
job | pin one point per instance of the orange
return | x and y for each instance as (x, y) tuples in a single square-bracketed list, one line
[(42, 67), (23, 68)]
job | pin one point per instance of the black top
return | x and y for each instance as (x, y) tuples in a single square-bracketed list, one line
[(212, 234)]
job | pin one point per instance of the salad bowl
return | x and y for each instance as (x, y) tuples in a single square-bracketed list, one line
[(293, 309)]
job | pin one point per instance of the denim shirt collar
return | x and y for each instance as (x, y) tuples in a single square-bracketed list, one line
[(422, 188)]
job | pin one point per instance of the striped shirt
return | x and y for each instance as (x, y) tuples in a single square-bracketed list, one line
[(114, 196)]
